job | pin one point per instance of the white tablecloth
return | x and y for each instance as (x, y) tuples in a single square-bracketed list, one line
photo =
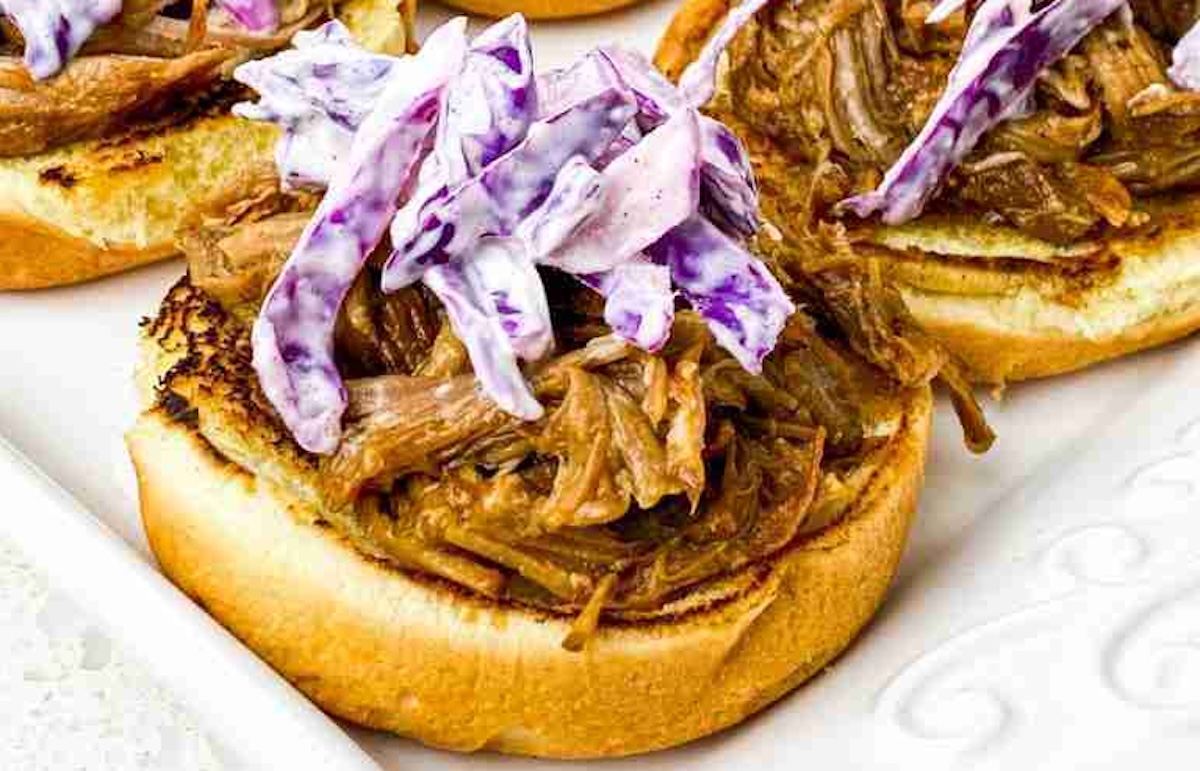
[(71, 700)]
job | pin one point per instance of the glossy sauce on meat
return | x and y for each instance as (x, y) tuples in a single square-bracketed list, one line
[(848, 84)]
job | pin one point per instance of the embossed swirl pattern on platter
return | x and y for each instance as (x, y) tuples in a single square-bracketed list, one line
[(1149, 659)]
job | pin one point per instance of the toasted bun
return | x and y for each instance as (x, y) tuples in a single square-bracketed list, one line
[(992, 295), (1022, 320), (539, 9), (400, 652), (94, 208), (91, 209)]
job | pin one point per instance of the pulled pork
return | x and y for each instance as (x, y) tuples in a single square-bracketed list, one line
[(95, 96), (816, 77), (155, 60), (844, 85), (650, 475)]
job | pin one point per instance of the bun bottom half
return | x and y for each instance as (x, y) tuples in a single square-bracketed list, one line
[(36, 255), (991, 295), (996, 355), (395, 651)]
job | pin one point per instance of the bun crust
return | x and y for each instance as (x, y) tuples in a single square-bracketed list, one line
[(398, 652), (539, 9), (36, 255), (1002, 353), (1011, 323)]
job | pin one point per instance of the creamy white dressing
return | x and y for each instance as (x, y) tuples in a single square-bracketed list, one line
[(580, 169), (55, 30), (1185, 64), (319, 92)]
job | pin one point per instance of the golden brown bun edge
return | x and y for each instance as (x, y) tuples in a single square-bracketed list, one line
[(392, 651)]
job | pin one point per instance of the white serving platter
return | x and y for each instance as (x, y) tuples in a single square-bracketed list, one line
[(1046, 615)]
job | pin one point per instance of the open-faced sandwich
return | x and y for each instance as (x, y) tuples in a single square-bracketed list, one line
[(1026, 172), (115, 122), (513, 443)]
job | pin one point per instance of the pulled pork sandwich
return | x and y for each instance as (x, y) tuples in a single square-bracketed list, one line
[(512, 443), (116, 121), (1026, 172)]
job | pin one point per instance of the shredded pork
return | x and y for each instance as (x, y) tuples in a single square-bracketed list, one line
[(648, 476), (847, 84)]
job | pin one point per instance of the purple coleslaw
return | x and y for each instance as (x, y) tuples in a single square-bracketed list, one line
[(319, 93), (1185, 62), (495, 301), (494, 202), (293, 335), (55, 30), (603, 171), (252, 15), (1006, 49)]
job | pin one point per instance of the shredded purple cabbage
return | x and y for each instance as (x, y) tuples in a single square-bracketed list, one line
[(495, 202), (318, 92), (559, 89), (1007, 50), (1185, 64), (55, 30), (729, 194), (658, 98), (647, 191), (293, 336), (576, 197), (494, 101), (698, 82), (743, 304), (639, 301), (503, 270), (493, 359), (601, 170), (499, 305), (252, 15)]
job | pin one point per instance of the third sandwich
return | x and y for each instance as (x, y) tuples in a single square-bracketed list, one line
[(114, 121)]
